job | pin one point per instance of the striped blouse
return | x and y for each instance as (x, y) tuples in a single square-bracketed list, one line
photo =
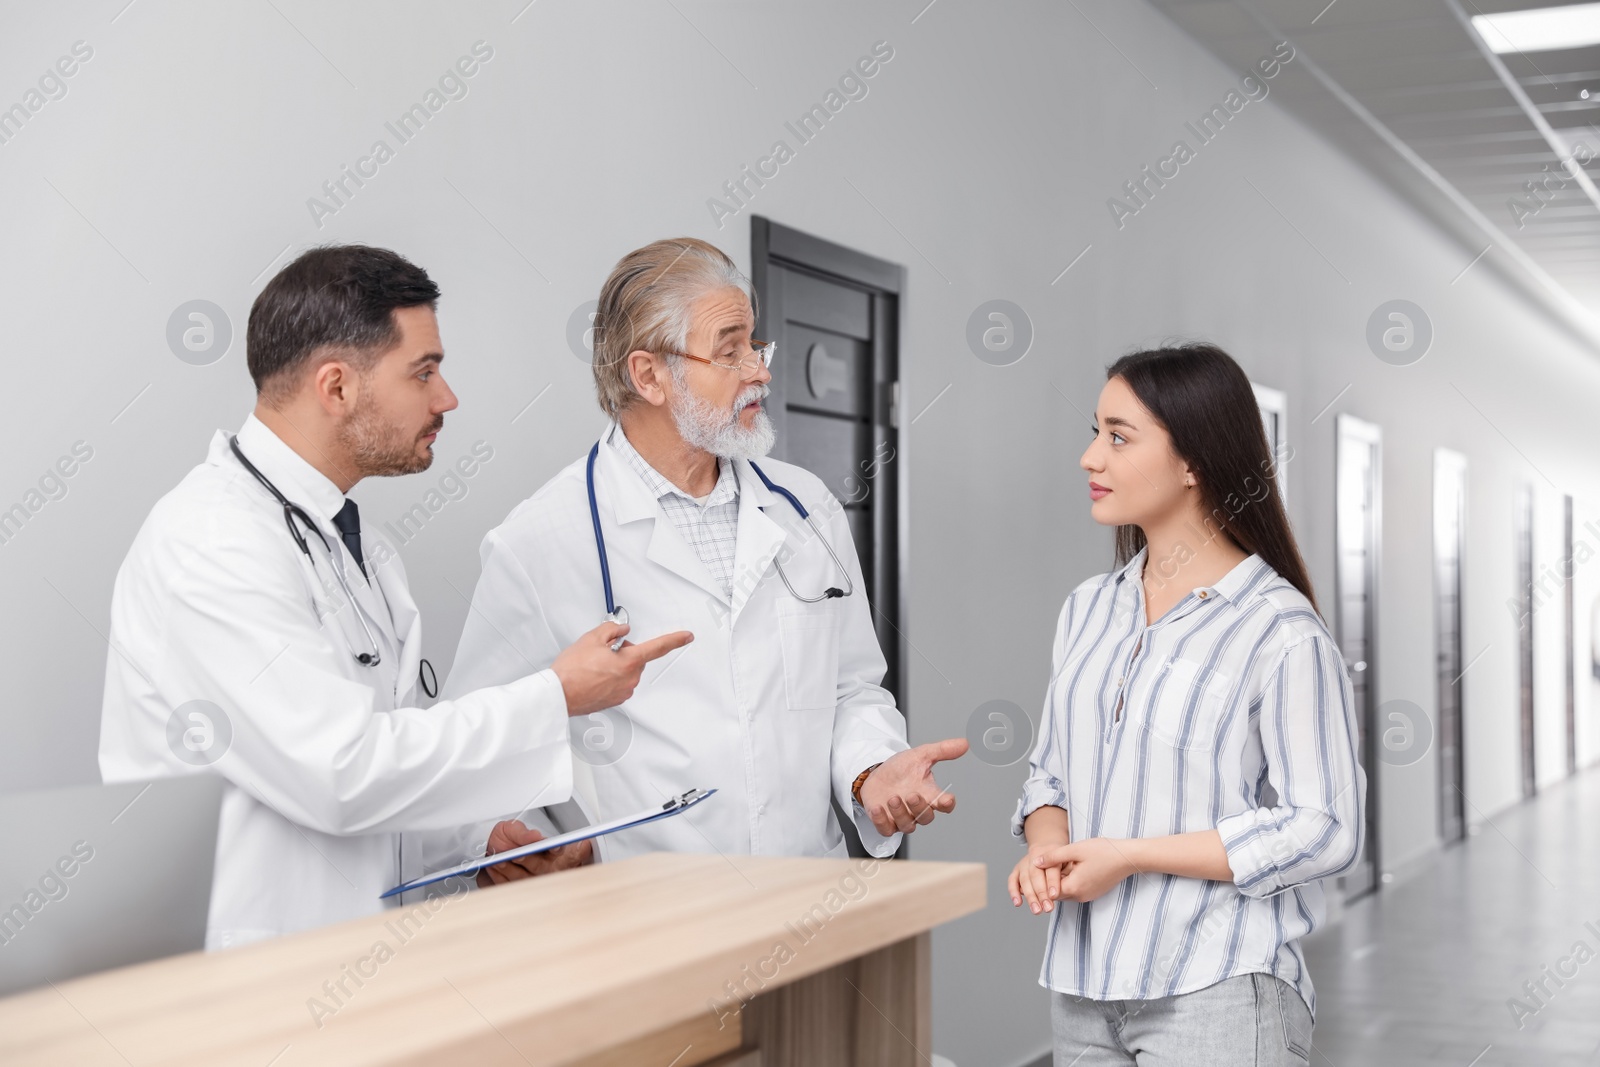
[(1231, 712)]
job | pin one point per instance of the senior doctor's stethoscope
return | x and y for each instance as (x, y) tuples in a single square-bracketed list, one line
[(293, 512), (619, 614)]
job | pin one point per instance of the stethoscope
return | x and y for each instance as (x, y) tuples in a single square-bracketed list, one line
[(618, 614), (293, 512)]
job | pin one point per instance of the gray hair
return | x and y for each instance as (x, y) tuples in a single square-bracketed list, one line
[(645, 306)]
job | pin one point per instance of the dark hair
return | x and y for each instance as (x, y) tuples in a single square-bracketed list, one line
[(1204, 400), (339, 296)]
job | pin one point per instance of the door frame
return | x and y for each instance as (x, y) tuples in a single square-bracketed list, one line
[(1349, 425), (773, 243), (1275, 402)]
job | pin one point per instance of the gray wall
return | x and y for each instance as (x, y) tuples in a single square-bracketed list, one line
[(179, 163)]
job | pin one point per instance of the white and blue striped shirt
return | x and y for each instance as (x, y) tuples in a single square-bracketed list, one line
[(1231, 712)]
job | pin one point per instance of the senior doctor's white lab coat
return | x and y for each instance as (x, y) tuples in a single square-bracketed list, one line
[(775, 703), (326, 761)]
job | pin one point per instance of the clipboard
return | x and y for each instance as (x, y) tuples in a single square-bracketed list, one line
[(676, 806)]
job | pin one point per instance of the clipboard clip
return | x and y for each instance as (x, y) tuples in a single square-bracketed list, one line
[(671, 808), (683, 800)]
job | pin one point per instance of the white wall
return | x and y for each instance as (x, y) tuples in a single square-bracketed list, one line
[(179, 164)]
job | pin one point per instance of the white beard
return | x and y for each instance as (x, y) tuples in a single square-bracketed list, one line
[(718, 430)]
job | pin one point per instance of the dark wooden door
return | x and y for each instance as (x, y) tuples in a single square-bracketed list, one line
[(834, 314)]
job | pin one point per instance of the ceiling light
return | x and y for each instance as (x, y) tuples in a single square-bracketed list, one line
[(1541, 29)]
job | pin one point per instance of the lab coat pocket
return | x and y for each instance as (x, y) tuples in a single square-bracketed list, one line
[(1188, 705), (809, 636)]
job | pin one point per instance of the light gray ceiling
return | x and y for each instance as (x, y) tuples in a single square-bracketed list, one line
[(1434, 102)]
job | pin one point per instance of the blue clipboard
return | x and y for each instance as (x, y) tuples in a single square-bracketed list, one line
[(676, 806)]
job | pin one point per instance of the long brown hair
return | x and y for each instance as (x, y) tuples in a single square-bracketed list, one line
[(1204, 400)]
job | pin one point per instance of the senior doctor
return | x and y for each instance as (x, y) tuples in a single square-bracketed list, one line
[(777, 703), (258, 633)]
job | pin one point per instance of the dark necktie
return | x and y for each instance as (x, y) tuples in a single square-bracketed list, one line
[(349, 522)]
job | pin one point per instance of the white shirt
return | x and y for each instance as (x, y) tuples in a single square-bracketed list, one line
[(1231, 712), (776, 703), (327, 761)]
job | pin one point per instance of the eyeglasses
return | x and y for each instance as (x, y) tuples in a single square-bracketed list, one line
[(760, 356)]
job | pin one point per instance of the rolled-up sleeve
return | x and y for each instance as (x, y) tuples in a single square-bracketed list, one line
[(1309, 743), (1049, 757), (1041, 789)]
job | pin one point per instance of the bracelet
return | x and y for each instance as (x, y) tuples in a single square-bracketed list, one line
[(861, 779)]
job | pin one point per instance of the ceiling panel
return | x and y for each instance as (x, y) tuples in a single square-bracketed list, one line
[(1421, 78)]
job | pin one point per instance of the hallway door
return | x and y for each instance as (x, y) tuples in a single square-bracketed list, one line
[(1449, 527), (1357, 522), (835, 315), (1569, 678), (1522, 515), (1274, 406)]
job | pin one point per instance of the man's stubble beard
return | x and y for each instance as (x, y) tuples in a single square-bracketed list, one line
[(378, 448)]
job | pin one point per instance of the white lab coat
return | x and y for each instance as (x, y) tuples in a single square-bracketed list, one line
[(329, 762), (776, 703)]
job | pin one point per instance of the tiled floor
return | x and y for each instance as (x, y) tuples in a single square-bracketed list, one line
[(1421, 972)]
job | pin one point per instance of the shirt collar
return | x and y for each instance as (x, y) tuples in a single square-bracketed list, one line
[(1135, 566), (1242, 579), (726, 489), (296, 479), (1231, 587)]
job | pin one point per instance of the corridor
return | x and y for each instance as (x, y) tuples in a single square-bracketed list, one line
[(1442, 965)]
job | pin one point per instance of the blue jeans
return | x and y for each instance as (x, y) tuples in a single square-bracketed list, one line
[(1250, 1020)]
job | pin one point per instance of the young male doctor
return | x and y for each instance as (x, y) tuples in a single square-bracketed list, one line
[(257, 633), (777, 703)]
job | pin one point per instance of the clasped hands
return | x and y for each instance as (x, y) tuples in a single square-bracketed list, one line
[(1078, 870)]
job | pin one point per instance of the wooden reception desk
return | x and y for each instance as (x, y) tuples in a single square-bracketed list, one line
[(659, 960)]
